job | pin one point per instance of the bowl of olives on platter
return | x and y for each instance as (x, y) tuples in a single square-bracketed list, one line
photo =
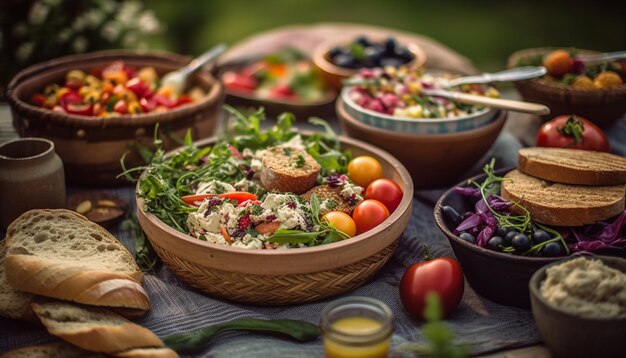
[(338, 60)]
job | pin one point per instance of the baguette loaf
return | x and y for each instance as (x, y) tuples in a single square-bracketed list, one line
[(148, 353), (94, 329), (51, 350), (572, 166), (563, 204), (288, 170), (60, 254)]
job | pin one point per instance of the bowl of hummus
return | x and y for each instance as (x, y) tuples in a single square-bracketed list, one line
[(579, 306)]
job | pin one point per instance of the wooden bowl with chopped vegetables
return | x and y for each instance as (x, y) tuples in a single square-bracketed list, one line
[(98, 106), (208, 213)]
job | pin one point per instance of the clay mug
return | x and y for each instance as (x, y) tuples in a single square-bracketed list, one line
[(31, 177)]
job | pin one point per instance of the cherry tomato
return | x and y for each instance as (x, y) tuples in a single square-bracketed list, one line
[(442, 275), (38, 99), (341, 221), (82, 109), (69, 97), (139, 87), (121, 106), (364, 170), (386, 191), (571, 131), (368, 214), (558, 63)]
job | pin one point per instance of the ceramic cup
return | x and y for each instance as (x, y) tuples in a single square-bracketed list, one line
[(31, 177)]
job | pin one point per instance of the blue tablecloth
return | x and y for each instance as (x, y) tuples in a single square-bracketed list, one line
[(176, 308)]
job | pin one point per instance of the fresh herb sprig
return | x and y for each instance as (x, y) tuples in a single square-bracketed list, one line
[(145, 256)]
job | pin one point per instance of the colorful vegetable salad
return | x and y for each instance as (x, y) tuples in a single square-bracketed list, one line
[(398, 92), (114, 90)]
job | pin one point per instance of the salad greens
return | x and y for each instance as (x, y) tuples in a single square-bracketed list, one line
[(170, 177)]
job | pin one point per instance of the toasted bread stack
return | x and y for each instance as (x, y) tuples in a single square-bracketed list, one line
[(567, 187), (70, 274)]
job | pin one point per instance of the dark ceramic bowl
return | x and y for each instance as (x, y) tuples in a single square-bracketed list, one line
[(500, 277), (569, 335)]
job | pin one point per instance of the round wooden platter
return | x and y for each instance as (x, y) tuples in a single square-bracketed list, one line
[(102, 208), (307, 37)]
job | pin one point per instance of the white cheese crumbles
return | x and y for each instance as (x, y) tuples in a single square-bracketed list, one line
[(240, 220), (214, 187), (586, 287)]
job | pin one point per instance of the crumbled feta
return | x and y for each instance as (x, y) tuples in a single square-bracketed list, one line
[(249, 242), (214, 187)]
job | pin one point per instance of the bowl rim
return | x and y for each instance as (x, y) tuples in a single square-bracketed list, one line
[(405, 204), (549, 84), (499, 116), (330, 93), (349, 102), (214, 92), (539, 276), (320, 53), (439, 220)]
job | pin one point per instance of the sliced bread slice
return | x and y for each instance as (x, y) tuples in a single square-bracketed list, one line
[(51, 350), (60, 254), (93, 329), (563, 204), (288, 170), (148, 353), (572, 166), (13, 303)]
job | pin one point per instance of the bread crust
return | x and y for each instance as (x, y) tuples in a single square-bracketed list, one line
[(572, 166), (57, 349), (97, 336), (281, 171), (559, 204)]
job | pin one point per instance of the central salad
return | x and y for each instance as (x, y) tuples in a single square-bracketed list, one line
[(267, 188)]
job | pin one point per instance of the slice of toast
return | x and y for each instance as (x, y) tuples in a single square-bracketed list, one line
[(13, 303), (93, 329), (572, 166), (60, 254), (563, 204), (288, 170)]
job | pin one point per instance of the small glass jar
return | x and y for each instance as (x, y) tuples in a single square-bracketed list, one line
[(356, 327)]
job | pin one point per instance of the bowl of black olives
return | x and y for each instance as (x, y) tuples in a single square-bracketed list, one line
[(501, 270), (340, 60)]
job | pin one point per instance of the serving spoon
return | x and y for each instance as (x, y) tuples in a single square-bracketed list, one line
[(601, 57), (514, 74), (176, 79), (517, 106)]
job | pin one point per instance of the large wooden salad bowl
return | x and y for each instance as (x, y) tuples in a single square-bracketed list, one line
[(279, 277)]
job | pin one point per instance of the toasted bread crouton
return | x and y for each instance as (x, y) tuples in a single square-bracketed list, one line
[(330, 199), (288, 170)]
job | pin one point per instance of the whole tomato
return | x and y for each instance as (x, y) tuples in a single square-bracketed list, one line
[(571, 131), (368, 214), (364, 169), (386, 191), (442, 275)]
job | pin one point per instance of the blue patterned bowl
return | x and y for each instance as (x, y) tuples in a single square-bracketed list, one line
[(416, 125)]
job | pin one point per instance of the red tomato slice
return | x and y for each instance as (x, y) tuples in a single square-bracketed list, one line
[(82, 109), (239, 196)]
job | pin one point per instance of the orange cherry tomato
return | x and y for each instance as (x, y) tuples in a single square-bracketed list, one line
[(341, 221), (364, 169), (368, 214)]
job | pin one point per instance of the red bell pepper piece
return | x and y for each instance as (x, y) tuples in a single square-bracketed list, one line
[(68, 98), (239, 196), (136, 85)]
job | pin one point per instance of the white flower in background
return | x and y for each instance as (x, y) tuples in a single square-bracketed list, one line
[(79, 44), (128, 12), (94, 18), (108, 6), (20, 30), (38, 13), (64, 35), (111, 30), (80, 23), (24, 51), (148, 23)]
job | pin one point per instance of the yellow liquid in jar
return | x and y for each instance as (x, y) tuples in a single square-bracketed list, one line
[(356, 326)]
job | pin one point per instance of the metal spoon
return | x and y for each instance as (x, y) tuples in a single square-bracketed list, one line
[(601, 57), (517, 106), (514, 74), (176, 80)]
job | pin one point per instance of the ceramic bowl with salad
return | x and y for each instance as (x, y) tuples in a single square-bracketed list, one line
[(594, 90), (274, 216), (284, 80), (96, 107), (391, 98), (501, 247)]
